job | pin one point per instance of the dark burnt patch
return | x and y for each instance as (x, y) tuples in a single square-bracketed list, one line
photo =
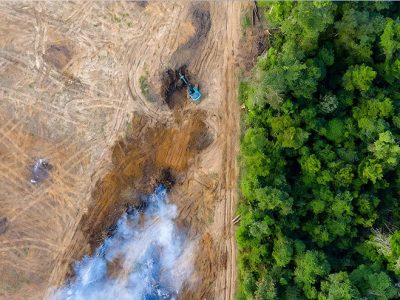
[(142, 3), (3, 225), (167, 179), (201, 139), (58, 56), (173, 89)]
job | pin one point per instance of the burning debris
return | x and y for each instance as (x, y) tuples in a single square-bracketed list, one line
[(152, 257), (40, 170), (167, 179)]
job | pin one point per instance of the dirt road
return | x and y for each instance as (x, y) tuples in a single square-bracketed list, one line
[(84, 85)]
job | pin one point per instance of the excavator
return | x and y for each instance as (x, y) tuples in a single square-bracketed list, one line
[(192, 90)]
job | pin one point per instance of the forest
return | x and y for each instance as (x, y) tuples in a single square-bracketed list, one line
[(320, 178)]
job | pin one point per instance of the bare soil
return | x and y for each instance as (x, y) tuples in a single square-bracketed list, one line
[(255, 38), (70, 93)]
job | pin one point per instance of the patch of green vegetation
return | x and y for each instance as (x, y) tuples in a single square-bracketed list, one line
[(320, 155), (246, 23), (210, 219), (128, 130), (145, 87), (121, 19), (117, 18)]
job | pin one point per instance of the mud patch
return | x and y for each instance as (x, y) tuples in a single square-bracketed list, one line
[(201, 139), (178, 100), (142, 3), (58, 56), (3, 225), (173, 90), (201, 20)]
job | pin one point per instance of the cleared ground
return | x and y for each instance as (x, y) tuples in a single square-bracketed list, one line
[(84, 84)]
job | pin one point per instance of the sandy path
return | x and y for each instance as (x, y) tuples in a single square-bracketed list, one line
[(226, 281)]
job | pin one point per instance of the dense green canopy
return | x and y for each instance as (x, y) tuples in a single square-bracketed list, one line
[(320, 183)]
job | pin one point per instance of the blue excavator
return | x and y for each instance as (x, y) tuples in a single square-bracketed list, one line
[(192, 90)]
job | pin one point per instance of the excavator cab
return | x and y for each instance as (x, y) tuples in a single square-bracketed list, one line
[(192, 91)]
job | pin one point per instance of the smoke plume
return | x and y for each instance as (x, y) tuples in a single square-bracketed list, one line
[(147, 257)]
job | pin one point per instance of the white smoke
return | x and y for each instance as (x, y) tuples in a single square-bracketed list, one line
[(154, 258)]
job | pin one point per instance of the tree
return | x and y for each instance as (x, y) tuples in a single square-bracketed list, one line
[(309, 266), (357, 31), (358, 77), (328, 103), (372, 115), (310, 164), (394, 257), (266, 289), (390, 38), (338, 287), (386, 149), (273, 199), (293, 137), (283, 250), (335, 131), (307, 21), (373, 283), (371, 170), (344, 177), (366, 205), (327, 55), (342, 204), (395, 243)]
